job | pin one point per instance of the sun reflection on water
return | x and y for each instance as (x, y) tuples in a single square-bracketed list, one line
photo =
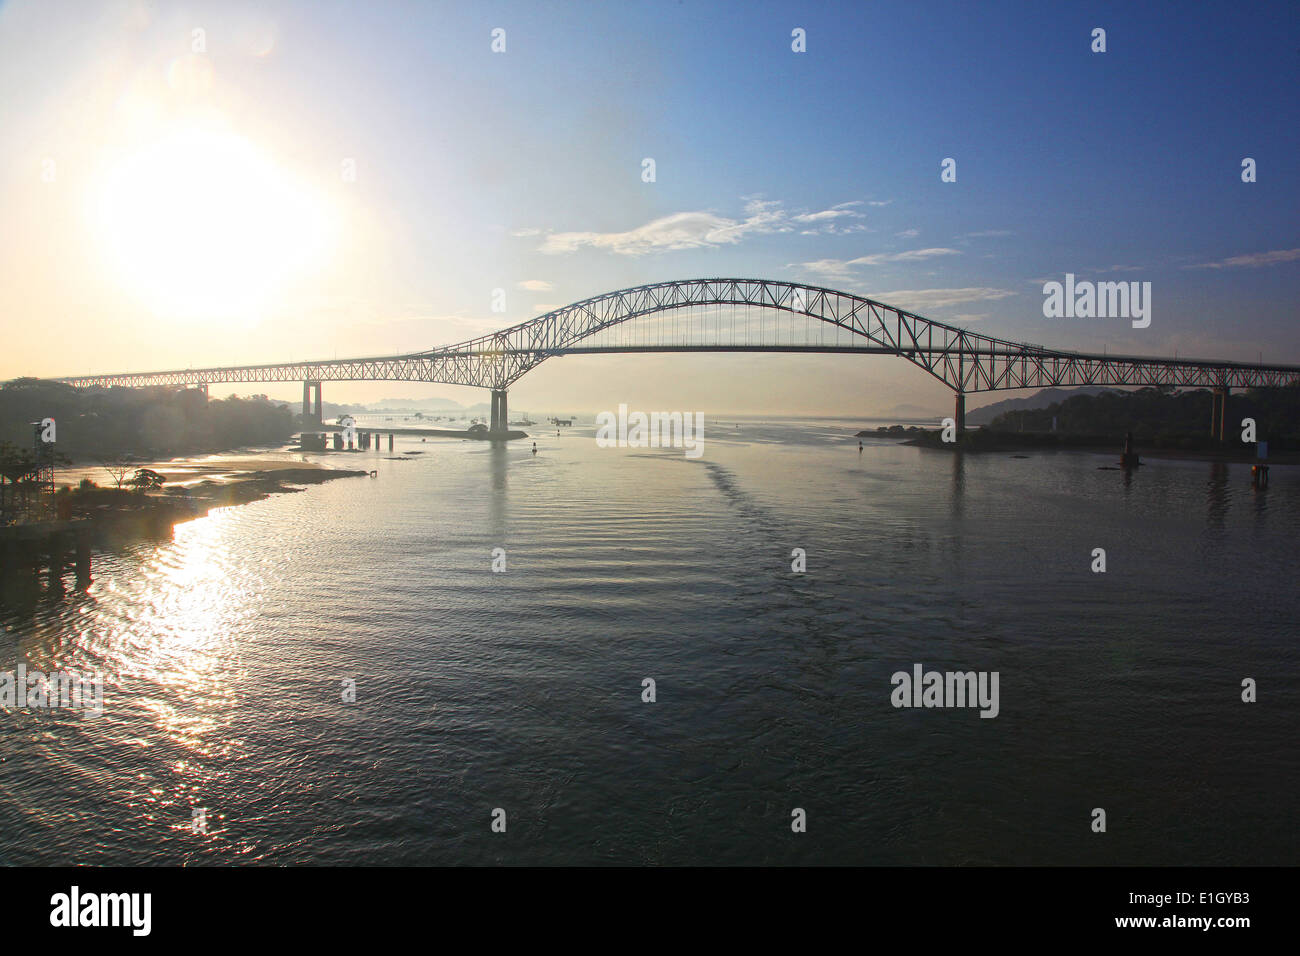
[(165, 635)]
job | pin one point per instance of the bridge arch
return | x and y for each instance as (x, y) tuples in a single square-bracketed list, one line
[(963, 360), (939, 349)]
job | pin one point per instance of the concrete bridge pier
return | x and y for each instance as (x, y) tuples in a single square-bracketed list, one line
[(312, 437), (500, 420), (1219, 414), (959, 412), (311, 413)]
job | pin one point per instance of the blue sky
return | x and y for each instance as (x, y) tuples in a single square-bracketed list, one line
[(522, 170)]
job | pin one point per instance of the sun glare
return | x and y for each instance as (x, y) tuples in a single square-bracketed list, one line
[(203, 225)]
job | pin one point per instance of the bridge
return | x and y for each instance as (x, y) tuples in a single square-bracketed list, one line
[(738, 315)]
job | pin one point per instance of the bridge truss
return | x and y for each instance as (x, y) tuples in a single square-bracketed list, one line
[(963, 360)]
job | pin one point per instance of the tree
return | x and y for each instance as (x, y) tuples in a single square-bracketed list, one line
[(118, 468), (17, 467), (146, 479)]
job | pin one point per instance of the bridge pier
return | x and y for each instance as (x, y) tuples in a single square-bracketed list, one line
[(311, 437), (1219, 414), (959, 412), (500, 420), (311, 414)]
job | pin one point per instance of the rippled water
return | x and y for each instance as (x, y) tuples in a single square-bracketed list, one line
[(224, 651)]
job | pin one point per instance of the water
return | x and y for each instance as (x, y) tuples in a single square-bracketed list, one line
[(224, 651)]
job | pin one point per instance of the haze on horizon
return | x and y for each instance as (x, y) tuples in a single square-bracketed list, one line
[(297, 181)]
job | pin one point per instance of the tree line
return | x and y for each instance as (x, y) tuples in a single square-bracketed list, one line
[(154, 422), (1164, 416)]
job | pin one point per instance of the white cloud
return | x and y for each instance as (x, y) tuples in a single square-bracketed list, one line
[(908, 234), (682, 230), (1252, 260), (833, 268), (986, 234), (943, 298), (844, 268), (535, 285), (542, 307), (700, 229)]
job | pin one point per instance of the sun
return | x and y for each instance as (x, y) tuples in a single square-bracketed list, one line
[(201, 225)]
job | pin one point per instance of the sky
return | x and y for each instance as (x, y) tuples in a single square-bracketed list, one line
[(196, 184)]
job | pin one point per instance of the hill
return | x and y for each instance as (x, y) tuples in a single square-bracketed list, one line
[(1040, 399)]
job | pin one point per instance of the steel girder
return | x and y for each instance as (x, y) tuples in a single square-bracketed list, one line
[(965, 361)]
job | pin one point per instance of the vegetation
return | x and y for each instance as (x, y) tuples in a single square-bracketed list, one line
[(19, 471), (146, 479), (109, 424), (1163, 418)]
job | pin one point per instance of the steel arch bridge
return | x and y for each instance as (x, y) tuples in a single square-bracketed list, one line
[(963, 360)]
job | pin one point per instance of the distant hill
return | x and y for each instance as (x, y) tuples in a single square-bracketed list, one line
[(417, 404), (1040, 399)]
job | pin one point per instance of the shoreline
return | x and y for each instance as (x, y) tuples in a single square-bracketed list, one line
[(193, 487), (189, 470), (979, 441), (1000, 443)]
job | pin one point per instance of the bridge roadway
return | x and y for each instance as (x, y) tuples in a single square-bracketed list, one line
[(963, 360)]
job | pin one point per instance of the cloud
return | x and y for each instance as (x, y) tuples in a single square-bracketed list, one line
[(943, 298), (910, 255), (908, 234), (833, 268), (543, 307), (682, 230), (524, 233), (986, 234), (1252, 260), (844, 268), (535, 285), (703, 229), (824, 215)]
